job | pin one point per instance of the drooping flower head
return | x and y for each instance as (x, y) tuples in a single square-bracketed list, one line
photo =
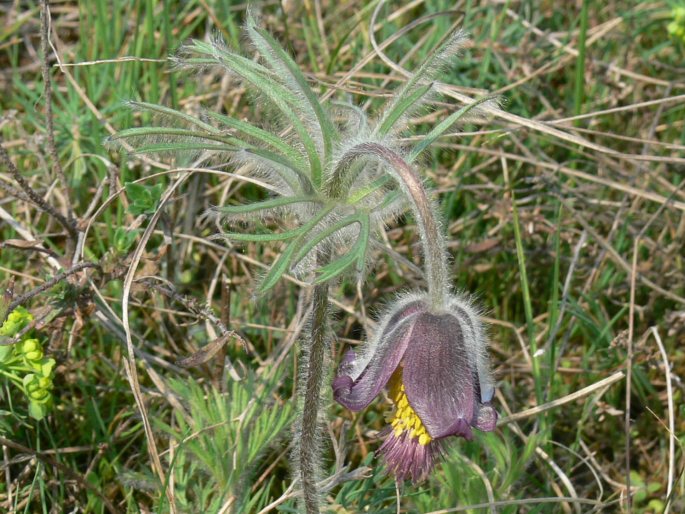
[(435, 368)]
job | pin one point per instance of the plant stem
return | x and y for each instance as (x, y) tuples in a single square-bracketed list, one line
[(579, 86), (315, 372), (422, 208)]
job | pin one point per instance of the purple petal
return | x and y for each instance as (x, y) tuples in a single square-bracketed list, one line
[(438, 378), (356, 394)]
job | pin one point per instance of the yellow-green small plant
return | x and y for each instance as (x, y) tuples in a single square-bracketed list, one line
[(676, 28), (23, 363)]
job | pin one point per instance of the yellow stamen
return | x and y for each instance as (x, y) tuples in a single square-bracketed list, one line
[(405, 419)]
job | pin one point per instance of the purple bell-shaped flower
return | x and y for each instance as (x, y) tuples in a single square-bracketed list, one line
[(435, 366)]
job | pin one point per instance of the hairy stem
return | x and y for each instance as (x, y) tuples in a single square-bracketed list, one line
[(422, 208), (47, 91), (315, 373)]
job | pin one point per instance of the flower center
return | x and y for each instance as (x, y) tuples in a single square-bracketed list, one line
[(404, 419)]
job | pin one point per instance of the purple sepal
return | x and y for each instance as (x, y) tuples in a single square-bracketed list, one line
[(356, 394)]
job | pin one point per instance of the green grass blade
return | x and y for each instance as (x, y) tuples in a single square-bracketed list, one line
[(527, 301), (579, 84)]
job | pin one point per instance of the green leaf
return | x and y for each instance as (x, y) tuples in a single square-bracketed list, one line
[(398, 109), (146, 132), (144, 199), (370, 189), (388, 199), (262, 238), (6, 350), (38, 410), (47, 366), (323, 234), (280, 96), (279, 267), (284, 261), (425, 72), (15, 322), (443, 126), (267, 204), (282, 62), (182, 146), (177, 115), (356, 254), (288, 171), (124, 239), (265, 137)]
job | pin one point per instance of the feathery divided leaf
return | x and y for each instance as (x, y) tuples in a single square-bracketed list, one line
[(284, 261), (283, 65), (182, 146), (220, 438), (324, 234), (299, 167), (262, 238), (263, 81), (174, 114), (290, 173), (147, 132), (259, 134), (356, 255), (426, 72)]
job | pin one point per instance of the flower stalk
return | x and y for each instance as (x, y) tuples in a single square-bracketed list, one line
[(314, 360), (431, 238)]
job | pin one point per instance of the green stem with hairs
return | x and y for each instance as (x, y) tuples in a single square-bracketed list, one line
[(313, 379)]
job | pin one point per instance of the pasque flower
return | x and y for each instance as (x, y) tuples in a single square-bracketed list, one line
[(434, 365), (336, 176)]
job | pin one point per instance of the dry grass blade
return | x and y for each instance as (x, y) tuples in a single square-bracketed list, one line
[(528, 501), (130, 363), (534, 411), (671, 420)]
